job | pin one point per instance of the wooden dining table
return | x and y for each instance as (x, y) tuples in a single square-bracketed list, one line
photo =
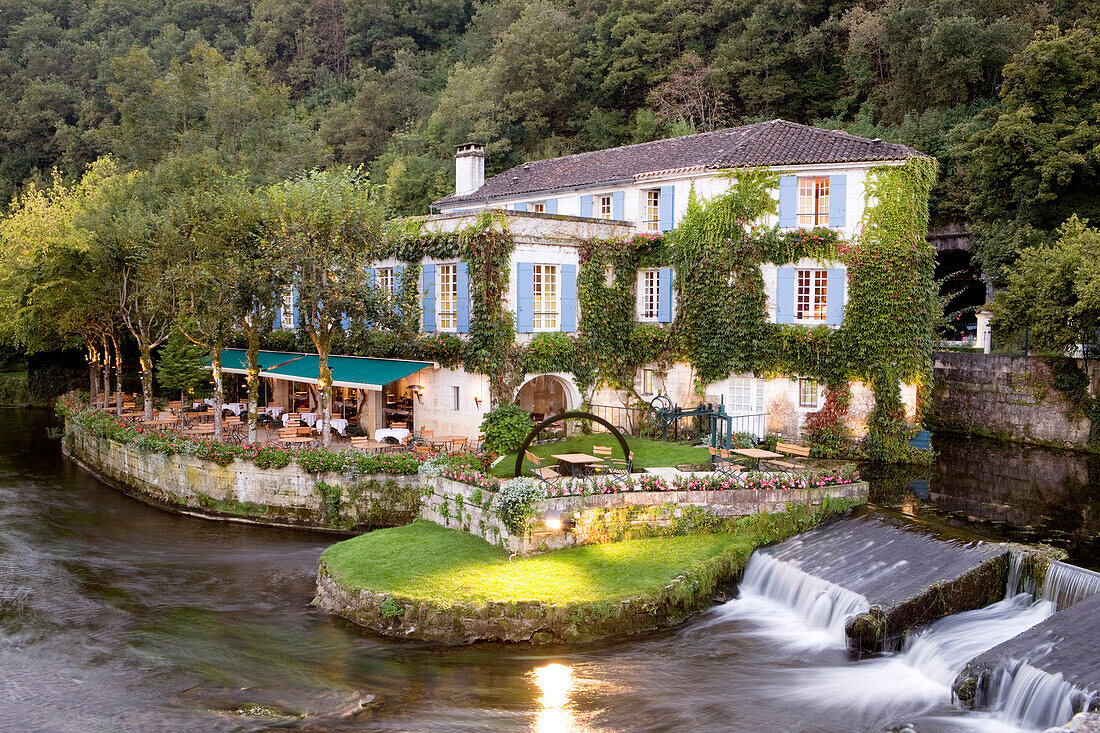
[(575, 464), (757, 455)]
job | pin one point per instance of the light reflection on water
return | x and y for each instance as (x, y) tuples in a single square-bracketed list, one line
[(137, 619)]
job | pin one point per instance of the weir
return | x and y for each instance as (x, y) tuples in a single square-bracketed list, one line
[(877, 578)]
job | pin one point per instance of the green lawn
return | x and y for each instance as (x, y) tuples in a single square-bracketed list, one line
[(647, 452), (425, 561)]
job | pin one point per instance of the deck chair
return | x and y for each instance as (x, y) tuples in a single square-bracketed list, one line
[(619, 468)]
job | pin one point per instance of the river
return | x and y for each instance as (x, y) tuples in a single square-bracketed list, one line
[(118, 616)]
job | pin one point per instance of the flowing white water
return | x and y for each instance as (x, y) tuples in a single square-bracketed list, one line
[(1026, 696), (1067, 584), (821, 605)]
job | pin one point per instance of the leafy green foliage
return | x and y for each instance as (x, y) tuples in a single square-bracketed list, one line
[(515, 501), (181, 366), (505, 428)]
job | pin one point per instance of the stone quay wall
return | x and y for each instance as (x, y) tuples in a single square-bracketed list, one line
[(1010, 397), (242, 492), (460, 506)]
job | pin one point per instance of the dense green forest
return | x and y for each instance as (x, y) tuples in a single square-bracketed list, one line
[(1002, 92)]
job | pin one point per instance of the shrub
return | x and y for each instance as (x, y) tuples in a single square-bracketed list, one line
[(549, 352), (505, 428), (514, 502)]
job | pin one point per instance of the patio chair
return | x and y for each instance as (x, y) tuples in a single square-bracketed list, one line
[(604, 452), (619, 468), (290, 435), (460, 444), (422, 449), (365, 444), (399, 425), (543, 474), (724, 464)]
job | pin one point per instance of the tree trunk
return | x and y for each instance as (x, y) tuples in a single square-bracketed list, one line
[(106, 366), (216, 369), (324, 383), (252, 379), (118, 375), (146, 350), (93, 374)]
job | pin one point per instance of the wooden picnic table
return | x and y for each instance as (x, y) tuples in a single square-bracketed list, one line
[(575, 464), (756, 454)]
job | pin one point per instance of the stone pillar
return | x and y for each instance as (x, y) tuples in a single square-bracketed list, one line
[(984, 332)]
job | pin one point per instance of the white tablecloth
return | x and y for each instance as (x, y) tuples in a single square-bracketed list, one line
[(399, 434), (274, 411), (339, 424), (309, 418), (235, 407)]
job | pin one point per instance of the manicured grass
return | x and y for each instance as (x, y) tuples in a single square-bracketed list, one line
[(647, 453), (425, 561)]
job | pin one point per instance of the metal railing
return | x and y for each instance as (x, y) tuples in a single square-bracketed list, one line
[(635, 421)]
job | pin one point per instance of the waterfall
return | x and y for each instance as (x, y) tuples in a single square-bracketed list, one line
[(818, 602), (1024, 695), (1067, 584)]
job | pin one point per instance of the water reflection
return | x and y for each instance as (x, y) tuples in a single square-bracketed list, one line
[(1005, 491), (555, 682)]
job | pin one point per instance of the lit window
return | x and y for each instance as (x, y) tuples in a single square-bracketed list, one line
[(546, 297), (455, 395), (604, 210), (288, 309), (539, 207), (812, 295), (653, 210), (649, 381), (813, 202), (807, 393), (385, 280), (447, 314), (651, 295)]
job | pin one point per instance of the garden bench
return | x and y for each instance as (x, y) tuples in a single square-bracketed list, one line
[(544, 474), (795, 452), (290, 435)]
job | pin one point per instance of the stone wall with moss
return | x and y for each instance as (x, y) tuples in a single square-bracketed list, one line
[(241, 491), (1008, 397)]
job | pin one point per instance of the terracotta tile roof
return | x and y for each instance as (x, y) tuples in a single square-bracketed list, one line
[(774, 143)]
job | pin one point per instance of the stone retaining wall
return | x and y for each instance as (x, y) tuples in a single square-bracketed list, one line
[(243, 492), (460, 506), (1003, 396)]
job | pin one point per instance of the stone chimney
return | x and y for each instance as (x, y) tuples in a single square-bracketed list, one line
[(469, 168)]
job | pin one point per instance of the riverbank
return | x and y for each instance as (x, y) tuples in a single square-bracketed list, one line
[(431, 583)]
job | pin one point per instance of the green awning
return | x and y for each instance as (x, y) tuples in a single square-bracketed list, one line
[(357, 372)]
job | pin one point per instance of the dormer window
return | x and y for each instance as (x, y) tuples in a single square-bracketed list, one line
[(813, 201)]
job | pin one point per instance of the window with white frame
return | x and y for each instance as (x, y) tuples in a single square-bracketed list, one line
[(288, 309), (603, 207), (546, 297), (447, 308), (812, 295), (539, 207), (807, 393), (651, 294), (813, 201), (649, 381), (742, 396), (652, 210), (384, 275), (456, 394)]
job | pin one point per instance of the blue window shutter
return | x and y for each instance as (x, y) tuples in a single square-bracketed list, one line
[(525, 297), (278, 319), (586, 206), (617, 199), (294, 295), (427, 275), (838, 200), (551, 206), (788, 201), (462, 304), (664, 295), (835, 282), (666, 208), (398, 271), (569, 298), (784, 295), (370, 277), (520, 207)]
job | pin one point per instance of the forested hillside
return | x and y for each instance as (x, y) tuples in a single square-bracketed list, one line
[(274, 87)]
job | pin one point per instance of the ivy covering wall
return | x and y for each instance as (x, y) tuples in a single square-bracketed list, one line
[(722, 325)]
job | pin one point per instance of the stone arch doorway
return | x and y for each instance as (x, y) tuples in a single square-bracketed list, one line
[(547, 394)]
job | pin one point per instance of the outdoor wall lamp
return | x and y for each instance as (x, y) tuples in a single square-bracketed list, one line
[(477, 401), (416, 390), (557, 520)]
